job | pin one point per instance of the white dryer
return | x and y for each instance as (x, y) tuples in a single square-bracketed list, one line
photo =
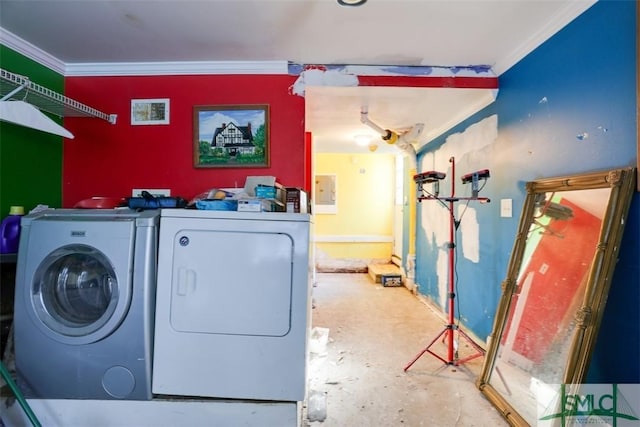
[(233, 306), (83, 318)]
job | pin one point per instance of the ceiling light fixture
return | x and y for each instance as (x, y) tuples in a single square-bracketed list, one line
[(351, 2), (362, 139)]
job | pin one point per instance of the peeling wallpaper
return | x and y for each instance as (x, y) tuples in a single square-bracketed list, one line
[(435, 217)]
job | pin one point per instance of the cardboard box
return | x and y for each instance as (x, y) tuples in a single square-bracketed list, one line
[(391, 280), (249, 205), (266, 192), (295, 200), (257, 205)]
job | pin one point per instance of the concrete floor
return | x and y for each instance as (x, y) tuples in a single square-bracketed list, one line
[(373, 334)]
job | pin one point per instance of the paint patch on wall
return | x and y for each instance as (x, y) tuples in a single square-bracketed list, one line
[(435, 216), (443, 276), (398, 70), (318, 77), (347, 75), (474, 138), (469, 230)]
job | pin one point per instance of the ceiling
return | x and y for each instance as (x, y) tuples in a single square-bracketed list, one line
[(407, 33)]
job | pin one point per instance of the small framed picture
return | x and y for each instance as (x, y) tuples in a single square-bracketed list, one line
[(150, 111)]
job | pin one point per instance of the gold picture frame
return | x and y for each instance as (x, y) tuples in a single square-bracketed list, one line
[(570, 310)]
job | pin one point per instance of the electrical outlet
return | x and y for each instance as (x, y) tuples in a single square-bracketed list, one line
[(158, 192)]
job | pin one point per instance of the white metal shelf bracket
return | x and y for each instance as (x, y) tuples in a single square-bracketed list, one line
[(46, 99)]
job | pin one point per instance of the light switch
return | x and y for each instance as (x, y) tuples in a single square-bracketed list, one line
[(506, 208)]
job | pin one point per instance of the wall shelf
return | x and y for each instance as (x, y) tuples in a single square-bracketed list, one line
[(45, 99)]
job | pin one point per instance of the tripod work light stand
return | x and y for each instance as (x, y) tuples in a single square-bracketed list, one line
[(451, 327)]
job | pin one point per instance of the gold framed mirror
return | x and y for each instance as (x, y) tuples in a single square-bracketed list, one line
[(555, 290)]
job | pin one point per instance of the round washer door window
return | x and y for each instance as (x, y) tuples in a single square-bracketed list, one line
[(75, 293)]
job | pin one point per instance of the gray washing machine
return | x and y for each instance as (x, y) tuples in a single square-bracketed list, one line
[(84, 303)]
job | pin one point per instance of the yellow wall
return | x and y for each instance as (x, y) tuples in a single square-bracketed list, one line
[(362, 228)]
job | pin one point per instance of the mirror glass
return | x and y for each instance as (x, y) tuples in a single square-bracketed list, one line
[(559, 272)]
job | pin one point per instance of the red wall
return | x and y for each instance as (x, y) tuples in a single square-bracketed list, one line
[(110, 160)]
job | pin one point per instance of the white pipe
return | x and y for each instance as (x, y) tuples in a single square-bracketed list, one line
[(392, 137), (409, 150), (365, 119)]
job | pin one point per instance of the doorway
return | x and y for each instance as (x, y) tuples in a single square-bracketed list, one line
[(354, 210)]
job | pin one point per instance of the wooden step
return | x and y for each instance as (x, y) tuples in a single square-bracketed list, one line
[(376, 271)]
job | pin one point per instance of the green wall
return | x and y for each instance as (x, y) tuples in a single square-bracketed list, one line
[(30, 160)]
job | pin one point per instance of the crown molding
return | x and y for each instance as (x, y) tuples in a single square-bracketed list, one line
[(176, 68), (30, 51), (571, 11), (25, 48)]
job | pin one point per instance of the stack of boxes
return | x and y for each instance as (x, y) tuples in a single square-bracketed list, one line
[(276, 199), (266, 200), (295, 200), (260, 194)]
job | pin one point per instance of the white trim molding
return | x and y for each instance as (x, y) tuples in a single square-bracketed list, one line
[(572, 10), (25, 48), (352, 238), (176, 68)]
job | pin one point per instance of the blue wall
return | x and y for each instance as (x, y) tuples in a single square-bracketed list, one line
[(568, 107)]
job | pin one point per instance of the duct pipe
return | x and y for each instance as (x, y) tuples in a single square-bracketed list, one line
[(365, 119), (412, 201), (410, 152), (387, 135), (408, 149)]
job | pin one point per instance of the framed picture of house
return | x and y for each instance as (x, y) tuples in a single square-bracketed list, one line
[(150, 111), (231, 136)]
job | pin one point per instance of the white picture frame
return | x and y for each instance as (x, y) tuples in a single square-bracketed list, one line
[(150, 111)]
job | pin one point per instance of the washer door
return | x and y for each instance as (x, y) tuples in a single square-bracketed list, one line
[(75, 294)]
